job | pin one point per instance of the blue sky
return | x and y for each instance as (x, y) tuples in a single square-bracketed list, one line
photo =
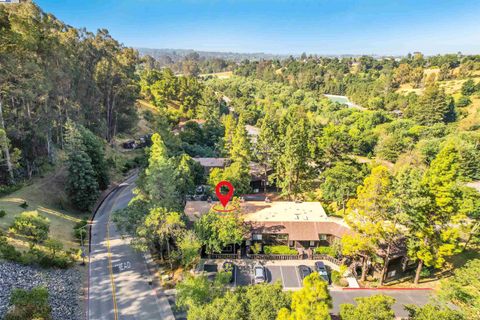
[(282, 26)]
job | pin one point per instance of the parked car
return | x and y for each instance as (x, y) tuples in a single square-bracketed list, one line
[(259, 275), (228, 266), (322, 271), (304, 271)]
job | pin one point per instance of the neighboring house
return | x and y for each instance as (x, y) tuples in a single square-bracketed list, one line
[(257, 171), (209, 163)]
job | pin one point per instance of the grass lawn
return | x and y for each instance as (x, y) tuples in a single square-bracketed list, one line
[(46, 195)]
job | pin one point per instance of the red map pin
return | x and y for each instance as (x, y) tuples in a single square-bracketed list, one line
[(224, 198)]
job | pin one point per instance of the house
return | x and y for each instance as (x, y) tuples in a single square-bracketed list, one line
[(300, 225), (257, 171), (209, 163)]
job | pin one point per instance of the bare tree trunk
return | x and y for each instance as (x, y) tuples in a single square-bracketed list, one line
[(364, 269), (6, 151), (417, 273), (385, 264)]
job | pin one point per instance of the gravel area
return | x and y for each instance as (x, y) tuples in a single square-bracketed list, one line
[(64, 287)]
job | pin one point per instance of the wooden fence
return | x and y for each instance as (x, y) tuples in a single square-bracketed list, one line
[(276, 256), (318, 256), (224, 256)]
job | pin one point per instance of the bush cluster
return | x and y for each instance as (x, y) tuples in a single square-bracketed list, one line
[(31, 304), (34, 256), (3, 213), (338, 280), (330, 251), (279, 250)]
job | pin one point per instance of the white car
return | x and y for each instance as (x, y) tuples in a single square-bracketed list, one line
[(259, 275)]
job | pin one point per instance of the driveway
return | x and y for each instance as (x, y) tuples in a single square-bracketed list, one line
[(402, 297)]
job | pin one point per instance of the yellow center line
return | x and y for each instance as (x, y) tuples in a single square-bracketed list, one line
[(112, 279)]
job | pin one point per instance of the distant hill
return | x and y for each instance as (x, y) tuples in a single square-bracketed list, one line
[(180, 54)]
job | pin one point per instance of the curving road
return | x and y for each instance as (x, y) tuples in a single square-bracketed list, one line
[(118, 279)]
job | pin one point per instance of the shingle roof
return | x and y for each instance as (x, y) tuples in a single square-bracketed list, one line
[(211, 162), (300, 231)]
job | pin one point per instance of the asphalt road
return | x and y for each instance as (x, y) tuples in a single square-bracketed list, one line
[(118, 276), (402, 297)]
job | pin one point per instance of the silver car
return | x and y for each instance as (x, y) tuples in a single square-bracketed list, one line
[(259, 275)]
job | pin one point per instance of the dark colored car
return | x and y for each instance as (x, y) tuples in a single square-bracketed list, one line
[(322, 271), (304, 271), (228, 266)]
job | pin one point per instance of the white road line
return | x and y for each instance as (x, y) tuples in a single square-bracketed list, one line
[(281, 274), (298, 278)]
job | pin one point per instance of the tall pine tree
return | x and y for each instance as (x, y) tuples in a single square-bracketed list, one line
[(82, 185)]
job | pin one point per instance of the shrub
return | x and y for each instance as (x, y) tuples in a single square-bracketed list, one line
[(330, 251), (7, 251), (3, 213), (7, 189), (343, 283), (336, 277), (32, 225), (31, 304), (463, 101), (279, 250), (256, 248)]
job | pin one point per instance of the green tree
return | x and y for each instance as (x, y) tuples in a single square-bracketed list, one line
[(266, 149), (292, 170), (373, 214), (240, 150), (463, 289), (54, 246), (32, 225), (198, 290), (81, 185), (189, 246), (184, 176), (216, 231), (158, 182), (431, 206), (432, 312), (260, 302), (340, 183), (468, 87), (237, 174), (362, 245), (160, 228), (94, 148), (376, 307), (432, 107), (311, 302)]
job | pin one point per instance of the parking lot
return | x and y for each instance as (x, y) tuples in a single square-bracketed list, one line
[(287, 275)]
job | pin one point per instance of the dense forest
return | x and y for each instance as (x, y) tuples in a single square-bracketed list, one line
[(51, 73)]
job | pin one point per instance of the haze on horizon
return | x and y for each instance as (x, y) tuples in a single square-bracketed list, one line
[(330, 27)]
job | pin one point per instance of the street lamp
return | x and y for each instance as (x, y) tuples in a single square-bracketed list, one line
[(81, 243)]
